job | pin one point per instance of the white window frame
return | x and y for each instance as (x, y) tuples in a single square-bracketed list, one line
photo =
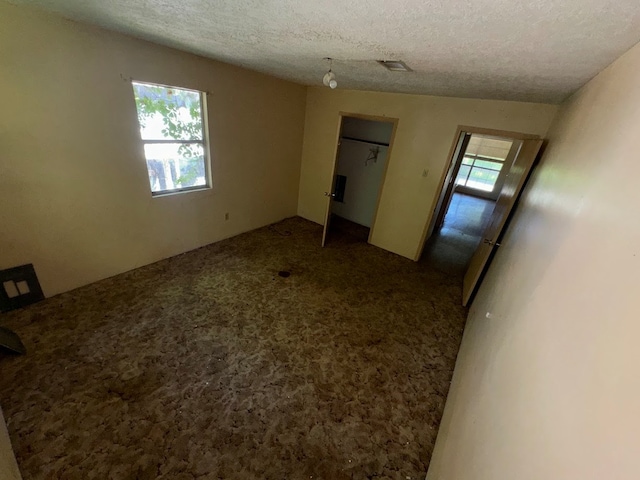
[(204, 142), (474, 157)]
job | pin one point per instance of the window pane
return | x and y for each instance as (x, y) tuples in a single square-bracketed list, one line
[(461, 179), (489, 164), (168, 113), (175, 165), (482, 179), (467, 161)]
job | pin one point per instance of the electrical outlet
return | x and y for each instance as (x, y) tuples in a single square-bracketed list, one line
[(19, 287), (226, 216)]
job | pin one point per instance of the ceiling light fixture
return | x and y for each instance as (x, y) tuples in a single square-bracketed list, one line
[(329, 79), (394, 65)]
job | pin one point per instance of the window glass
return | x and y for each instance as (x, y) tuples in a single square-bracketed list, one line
[(463, 174), (482, 179), (482, 162), (488, 164), (171, 128)]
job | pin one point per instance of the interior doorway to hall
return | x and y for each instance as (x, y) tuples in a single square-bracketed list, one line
[(487, 172), (362, 155), (475, 184)]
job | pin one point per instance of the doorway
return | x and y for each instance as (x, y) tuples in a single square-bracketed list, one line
[(479, 172), (487, 172), (360, 165)]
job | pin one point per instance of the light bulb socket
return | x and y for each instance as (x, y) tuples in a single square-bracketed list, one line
[(328, 78)]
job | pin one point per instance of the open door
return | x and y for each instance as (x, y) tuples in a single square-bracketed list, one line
[(445, 197), (327, 216), (359, 141), (509, 193), (331, 193)]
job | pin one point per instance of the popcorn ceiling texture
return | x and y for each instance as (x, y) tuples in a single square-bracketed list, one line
[(538, 51), (211, 365)]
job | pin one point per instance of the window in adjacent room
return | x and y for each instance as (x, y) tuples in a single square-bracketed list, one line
[(483, 162), (172, 127)]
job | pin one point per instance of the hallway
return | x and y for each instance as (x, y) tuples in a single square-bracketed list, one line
[(450, 248)]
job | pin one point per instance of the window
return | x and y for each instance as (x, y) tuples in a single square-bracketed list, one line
[(482, 163), (172, 130), (479, 173)]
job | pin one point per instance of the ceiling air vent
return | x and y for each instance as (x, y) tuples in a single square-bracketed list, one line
[(394, 65)]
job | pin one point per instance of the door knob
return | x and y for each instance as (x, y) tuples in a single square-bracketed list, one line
[(327, 194), (489, 242)]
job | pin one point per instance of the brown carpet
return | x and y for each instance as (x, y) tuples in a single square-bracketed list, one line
[(211, 365)]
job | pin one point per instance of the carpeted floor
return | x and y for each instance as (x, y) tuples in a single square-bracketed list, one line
[(211, 365)]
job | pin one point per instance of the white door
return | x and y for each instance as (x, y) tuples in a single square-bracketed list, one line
[(330, 194)]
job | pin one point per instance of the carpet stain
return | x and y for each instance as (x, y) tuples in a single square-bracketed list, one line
[(202, 366)]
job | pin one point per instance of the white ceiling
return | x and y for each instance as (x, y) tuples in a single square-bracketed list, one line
[(538, 51)]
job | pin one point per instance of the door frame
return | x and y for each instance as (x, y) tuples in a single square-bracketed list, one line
[(363, 116), (448, 185), (439, 201)]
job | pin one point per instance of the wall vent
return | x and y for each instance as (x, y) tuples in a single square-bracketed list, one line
[(19, 287)]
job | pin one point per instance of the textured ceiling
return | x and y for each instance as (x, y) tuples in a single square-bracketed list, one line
[(538, 51)]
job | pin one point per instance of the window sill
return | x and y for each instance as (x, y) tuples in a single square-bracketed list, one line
[(169, 193)]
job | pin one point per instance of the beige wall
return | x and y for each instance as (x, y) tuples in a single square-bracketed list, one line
[(8, 466), (74, 193), (425, 133), (548, 387)]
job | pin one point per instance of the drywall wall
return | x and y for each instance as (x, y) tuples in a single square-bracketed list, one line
[(74, 192), (546, 383), (8, 465), (364, 177), (423, 138)]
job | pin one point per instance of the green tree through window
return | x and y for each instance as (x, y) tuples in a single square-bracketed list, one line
[(171, 127)]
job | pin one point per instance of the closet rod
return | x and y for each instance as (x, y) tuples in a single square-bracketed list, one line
[(365, 141)]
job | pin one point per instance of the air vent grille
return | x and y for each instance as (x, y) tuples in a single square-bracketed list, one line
[(395, 65)]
